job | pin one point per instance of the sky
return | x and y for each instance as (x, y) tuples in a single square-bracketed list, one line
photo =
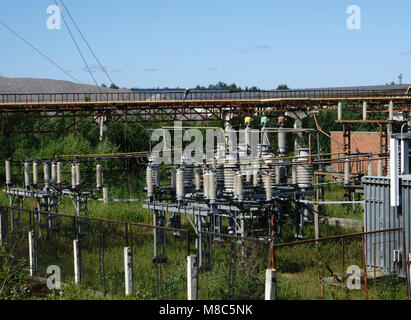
[(183, 43)]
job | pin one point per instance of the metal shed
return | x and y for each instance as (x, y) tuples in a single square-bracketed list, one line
[(378, 215)]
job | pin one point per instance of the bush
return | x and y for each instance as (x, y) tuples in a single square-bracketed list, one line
[(13, 276)]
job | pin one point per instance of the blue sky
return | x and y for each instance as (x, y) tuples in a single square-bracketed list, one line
[(157, 43)]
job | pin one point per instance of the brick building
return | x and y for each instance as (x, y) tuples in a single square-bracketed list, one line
[(361, 142)]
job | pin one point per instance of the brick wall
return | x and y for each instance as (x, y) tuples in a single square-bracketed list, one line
[(363, 142)]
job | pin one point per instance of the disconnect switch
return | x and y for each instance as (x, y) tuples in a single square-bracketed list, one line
[(397, 256)]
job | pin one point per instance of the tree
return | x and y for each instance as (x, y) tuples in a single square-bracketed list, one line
[(113, 86), (283, 87), (104, 85)]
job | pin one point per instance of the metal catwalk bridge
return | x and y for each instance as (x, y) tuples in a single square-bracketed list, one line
[(69, 112)]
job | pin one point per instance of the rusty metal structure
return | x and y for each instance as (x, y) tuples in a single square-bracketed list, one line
[(75, 111)]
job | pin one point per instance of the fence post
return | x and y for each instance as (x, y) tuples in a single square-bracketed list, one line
[(270, 284), (192, 278), (32, 253), (77, 261), (128, 270), (105, 195)]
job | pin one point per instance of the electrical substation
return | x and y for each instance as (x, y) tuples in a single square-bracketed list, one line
[(249, 181)]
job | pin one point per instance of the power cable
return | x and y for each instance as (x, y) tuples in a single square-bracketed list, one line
[(91, 50), (37, 50), (78, 48)]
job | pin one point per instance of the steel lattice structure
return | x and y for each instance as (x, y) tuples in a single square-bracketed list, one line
[(61, 112)]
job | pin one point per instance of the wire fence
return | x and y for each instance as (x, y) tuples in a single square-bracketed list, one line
[(339, 267)]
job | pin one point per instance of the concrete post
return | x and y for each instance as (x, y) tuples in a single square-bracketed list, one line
[(364, 110), (370, 169), (379, 168), (347, 171), (192, 278), (32, 253), (128, 270), (270, 284), (339, 111), (105, 194), (77, 261)]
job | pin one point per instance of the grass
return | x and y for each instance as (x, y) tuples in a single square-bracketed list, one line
[(301, 268)]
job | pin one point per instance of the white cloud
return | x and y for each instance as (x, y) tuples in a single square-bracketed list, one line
[(95, 68), (262, 47)]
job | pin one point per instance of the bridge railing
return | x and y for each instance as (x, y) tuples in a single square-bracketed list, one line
[(196, 95)]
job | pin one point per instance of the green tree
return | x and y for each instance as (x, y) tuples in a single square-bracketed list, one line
[(283, 87)]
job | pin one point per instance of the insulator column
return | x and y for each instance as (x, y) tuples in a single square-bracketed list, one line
[(73, 176), (268, 189), (99, 180), (206, 183), (78, 174), (59, 173), (46, 175), (212, 187), (240, 192), (27, 174), (180, 185), (35, 173), (8, 172), (149, 181), (53, 174)]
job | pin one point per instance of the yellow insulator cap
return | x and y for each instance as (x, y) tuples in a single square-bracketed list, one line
[(247, 120)]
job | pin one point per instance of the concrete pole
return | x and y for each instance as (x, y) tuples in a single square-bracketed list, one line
[(270, 284), (103, 128), (105, 194), (364, 110), (77, 261), (379, 168), (298, 125), (390, 116), (192, 278), (339, 111), (370, 169), (128, 270), (347, 171), (32, 253)]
